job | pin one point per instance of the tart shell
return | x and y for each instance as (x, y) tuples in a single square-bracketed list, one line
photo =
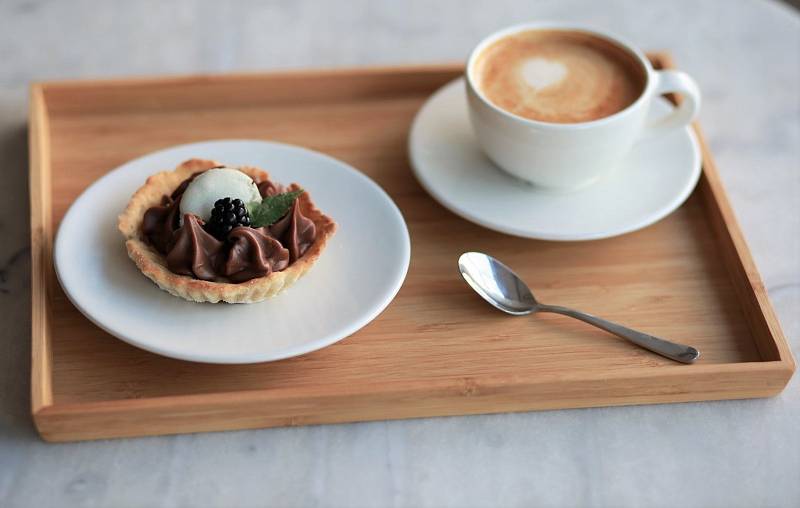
[(153, 264)]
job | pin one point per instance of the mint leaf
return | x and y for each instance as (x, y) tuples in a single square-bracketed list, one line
[(271, 208)]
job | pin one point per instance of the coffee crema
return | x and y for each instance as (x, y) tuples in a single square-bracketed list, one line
[(559, 76)]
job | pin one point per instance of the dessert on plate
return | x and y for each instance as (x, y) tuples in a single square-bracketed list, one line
[(207, 232)]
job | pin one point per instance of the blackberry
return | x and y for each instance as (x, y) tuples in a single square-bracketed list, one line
[(226, 215)]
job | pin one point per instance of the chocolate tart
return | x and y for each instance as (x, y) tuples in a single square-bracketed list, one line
[(150, 255)]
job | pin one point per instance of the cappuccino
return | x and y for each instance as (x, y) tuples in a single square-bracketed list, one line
[(559, 76)]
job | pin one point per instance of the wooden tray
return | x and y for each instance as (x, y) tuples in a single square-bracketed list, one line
[(438, 349)]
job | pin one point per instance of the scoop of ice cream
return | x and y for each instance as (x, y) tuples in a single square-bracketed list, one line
[(214, 184)]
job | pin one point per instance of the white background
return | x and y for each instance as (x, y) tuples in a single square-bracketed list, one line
[(743, 53)]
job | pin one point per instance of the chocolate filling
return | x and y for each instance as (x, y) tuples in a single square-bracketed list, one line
[(246, 254), (254, 253), (194, 252), (295, 231)]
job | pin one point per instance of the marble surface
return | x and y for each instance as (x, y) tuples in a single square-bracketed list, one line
[(747, 453)]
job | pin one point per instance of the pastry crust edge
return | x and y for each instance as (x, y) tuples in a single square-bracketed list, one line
[(153, 264)]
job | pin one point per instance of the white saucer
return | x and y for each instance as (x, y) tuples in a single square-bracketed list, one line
[(657, 176), (353, 281)]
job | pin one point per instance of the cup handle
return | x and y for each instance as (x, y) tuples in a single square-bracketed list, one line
[(680, 83)]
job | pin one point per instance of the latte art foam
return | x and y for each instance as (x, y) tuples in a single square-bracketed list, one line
[(559, 76)]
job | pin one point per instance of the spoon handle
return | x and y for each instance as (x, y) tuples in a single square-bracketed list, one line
[(671, 350)]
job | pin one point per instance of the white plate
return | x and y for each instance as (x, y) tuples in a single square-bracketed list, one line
[(353, 281), (657, 176)]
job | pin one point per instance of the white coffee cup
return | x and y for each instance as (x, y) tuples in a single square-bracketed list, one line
[(572, 155)]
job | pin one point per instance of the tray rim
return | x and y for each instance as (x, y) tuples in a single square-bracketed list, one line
[(293, 72), (772, 374)]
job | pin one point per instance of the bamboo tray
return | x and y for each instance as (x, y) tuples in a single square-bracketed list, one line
[(437, 349)]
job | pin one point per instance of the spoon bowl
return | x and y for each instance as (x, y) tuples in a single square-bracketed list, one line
[(497, 283)]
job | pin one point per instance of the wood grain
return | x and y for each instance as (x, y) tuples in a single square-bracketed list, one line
[(437, 349), (41, 251)]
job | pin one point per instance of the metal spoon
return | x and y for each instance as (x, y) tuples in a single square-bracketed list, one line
[(502, 288)]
